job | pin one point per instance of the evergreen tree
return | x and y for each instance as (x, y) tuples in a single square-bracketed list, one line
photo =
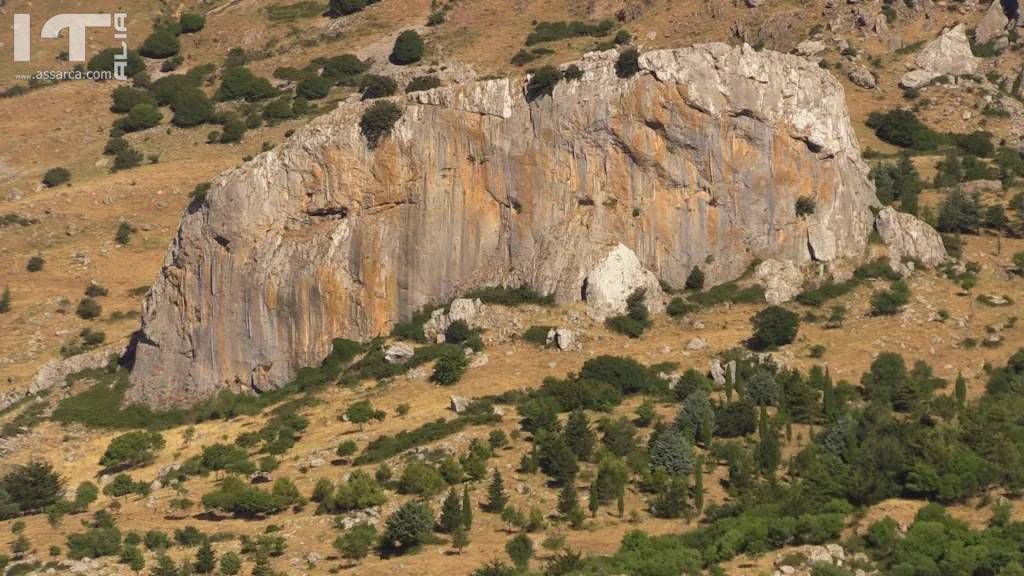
[(567, 498), (520, 550), (698, 485), (579, 435), (620, 502), (206, 560), (496, 496), (672, 452), (467, 509), (5, 300), (593, 500), (451, 513), (460, 539), (230, 564), (262, 567), (961, 390), (768, 452), (165, 567)]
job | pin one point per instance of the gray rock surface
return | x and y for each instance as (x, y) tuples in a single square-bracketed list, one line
[(698, 159), (950, 53), (992, 25), (907, 237), (782, 280), (862, 77), (614, 279), (563, 339)]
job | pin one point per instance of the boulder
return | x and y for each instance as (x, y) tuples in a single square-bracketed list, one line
[(992, 25), (782, 280), (465, 309), (909, 238), (696, 344), (458, 404), (398, 353), (562, 339), (950, 53), (810, 47), (862, 77), (617, 276), (918, 79), (717, 372)]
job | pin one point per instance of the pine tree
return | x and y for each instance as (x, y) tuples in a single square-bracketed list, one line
[(961, 390), (206, 560), (165, 567), (460, 539), (706, 429), (698, 485), (768, 453), (593, 500), (467, 509), (496, 497), (262, 567), (567, 498), (451, 513), (579, 436)]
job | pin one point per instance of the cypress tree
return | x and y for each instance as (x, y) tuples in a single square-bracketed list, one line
[(768, 453), (567, 498), (593, 500), (961, 390), (698, 485), (621, 501), (451, 513), (206, 560), (496, 497), (5, 300), (467, 509)]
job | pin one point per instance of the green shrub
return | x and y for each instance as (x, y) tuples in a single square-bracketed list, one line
[(891, 301), (35, 264), (278, 109), (345, 7), (132, 450), (628, 63), (902, 128), (422, 83), (408, 48), (637, 318), (677, 307), (542, 82), (191, 108), (505, 296), (125, 98), (169, 89), (313, 88), (421, 479), (774, 326), (56, 176), (373, 86), (33, 486), (449, 368), (805, 206), (192, 22), (572, 72), (344, 69), (140, 117), (695, 280), (239, 83), (551, 31), (378, 120), (537, 335), (127, 158), (124, 233), (162, 43), (101, 538), (104, 62), (88, 309)]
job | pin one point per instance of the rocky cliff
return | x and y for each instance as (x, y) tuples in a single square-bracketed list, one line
[(697, 160)]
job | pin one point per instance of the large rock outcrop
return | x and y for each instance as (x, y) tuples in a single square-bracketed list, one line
[(697, 160), (948, 55), (909, 238)]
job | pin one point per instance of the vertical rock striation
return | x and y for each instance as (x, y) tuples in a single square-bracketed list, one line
[(697, 160)]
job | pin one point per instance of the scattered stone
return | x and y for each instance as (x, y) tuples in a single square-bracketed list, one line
[(982, 187), (992, 25), (916, 79), (458, 404), (862, 77), (696, 344), (398, 353), (810, 47), (717, 372), (260, 477), (562, 339), (950, 53)]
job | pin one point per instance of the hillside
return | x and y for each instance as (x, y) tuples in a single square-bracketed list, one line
[(316, 336)]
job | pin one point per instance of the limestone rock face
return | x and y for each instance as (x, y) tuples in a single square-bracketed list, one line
[(950, 53), (909, 238), (696, 160)]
